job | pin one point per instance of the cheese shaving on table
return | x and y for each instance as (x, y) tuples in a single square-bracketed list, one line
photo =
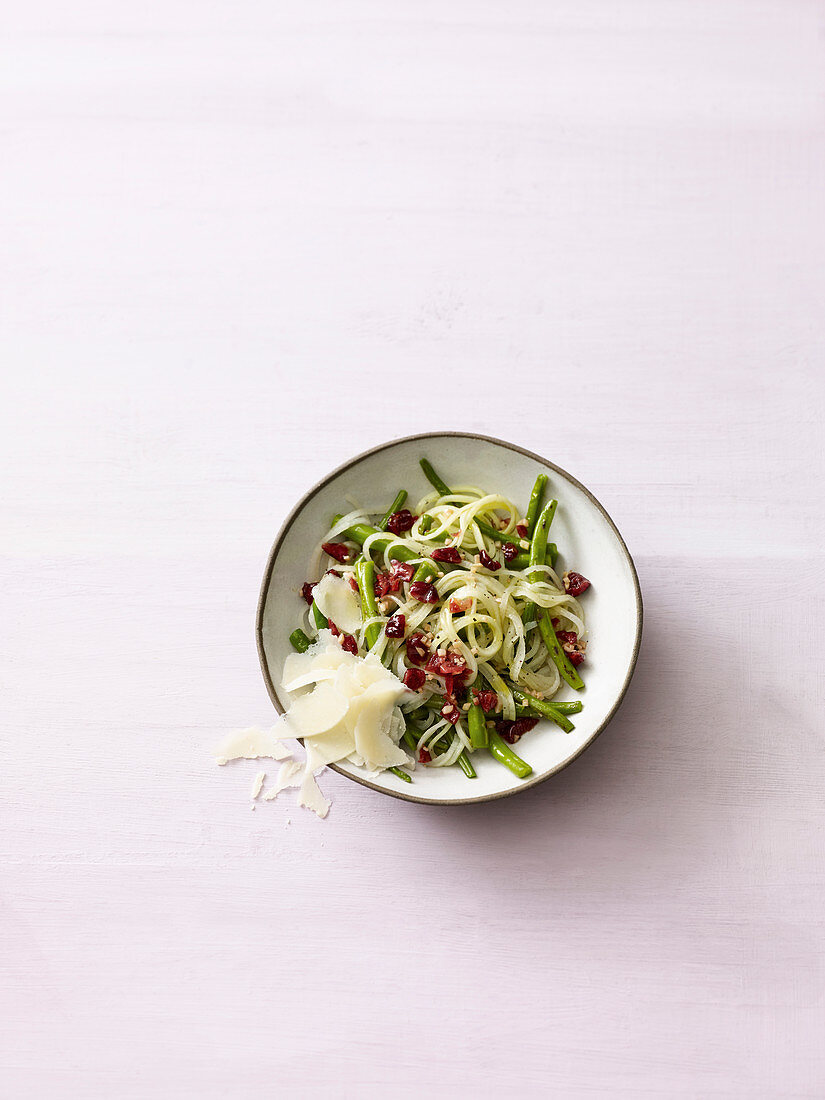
[(343, 707), (251, 743), (257, 783)]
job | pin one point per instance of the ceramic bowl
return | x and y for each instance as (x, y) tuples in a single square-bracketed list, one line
[(588, 542)]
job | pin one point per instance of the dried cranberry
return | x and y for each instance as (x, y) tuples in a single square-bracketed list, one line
[(423, 591), (488, 562), (571, 645), (514, 731), (414, 678), (349, 644), (446, 553), (306, 592), (399, 522), (451, 712), (509, 550), (384, 584), (575, 583), (424, 756), (333, 629), (458, 606), (353, 583), (334, 572), (521, 531), (451, 664), (395, 627), (401, 570), (336, 550), (487, 700), (417, 649)]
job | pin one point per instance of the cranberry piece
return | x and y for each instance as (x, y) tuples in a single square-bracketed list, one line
[(334, 572), (571, 645), (514, 731), (446, 553), (336, 550), (488, 562), (306, 592), (458, 606), (402, 521), (414, 678), (509, 550), (424, 592), (451, 664), (396, 626), (333, 629), (575, 583), (353, 583), (384, 585), (417, 649), (521, 531), (401, 570), (349, 644), (424, 756), (487, 700), (451, 712)]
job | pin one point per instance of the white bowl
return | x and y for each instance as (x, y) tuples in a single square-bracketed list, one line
[(588, 542)]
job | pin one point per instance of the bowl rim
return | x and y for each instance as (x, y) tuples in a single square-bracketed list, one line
[(310, 493)]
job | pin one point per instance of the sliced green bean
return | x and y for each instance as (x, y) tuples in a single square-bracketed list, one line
[(411, 741), (299, 640), (394, 507), (365, 575), (560, 659), (478, 727), (466, 766), (538, 552), (401, 774), (426, 523), (360, 532), (492, 533), (501, 751), (433, 478), (546, 710), (320, 620), (427, 571), (536, 498)]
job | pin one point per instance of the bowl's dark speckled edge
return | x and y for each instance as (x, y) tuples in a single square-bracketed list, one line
[(376, 450)]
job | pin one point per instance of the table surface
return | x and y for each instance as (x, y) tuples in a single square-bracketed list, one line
[(243, 241)]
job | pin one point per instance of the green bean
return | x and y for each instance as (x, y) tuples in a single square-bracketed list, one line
[(411, 741), (365, 575), (478, 727), (501, 751), (360, 532), (546, 710), (434, 479), (426, 523), (299, 640), (466, 766), (560, 659), (522, 560), (401, 774), (396, 504), (572, 707), (320, 620), (499, 536), (536, 498), (426, 571), (538, 552)]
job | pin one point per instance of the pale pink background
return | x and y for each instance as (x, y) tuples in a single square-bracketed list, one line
[(243, 241)]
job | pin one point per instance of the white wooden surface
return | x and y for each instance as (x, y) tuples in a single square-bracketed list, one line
[(242, 241)]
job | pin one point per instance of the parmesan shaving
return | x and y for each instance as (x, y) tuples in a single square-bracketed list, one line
[(251, 743), (286, 778), (257, 783), (335, 599)]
